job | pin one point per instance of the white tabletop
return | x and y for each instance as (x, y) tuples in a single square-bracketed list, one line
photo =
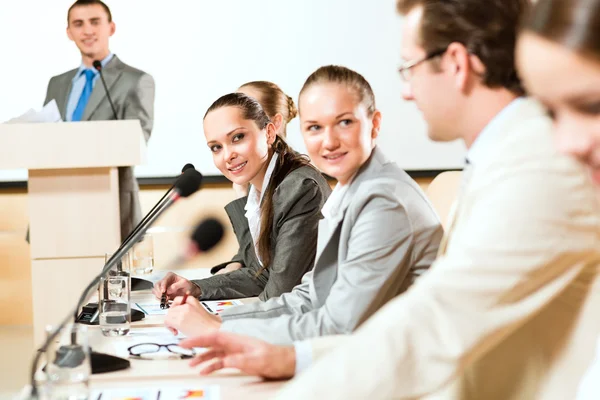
[(160, 373)]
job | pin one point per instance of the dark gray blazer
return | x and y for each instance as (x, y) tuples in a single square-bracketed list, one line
[(132, 92), (297, 204), (384, 234)]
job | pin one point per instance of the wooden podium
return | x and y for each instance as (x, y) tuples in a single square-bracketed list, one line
[(73, 194)]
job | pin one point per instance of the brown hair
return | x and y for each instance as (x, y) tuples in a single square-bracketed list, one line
[(83, 3), (287, 161), (344, 76), (574, 24), (274, 101), (487, 29)]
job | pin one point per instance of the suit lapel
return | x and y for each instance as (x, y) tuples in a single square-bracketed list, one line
[(328, 240), (62, 95), (112, 72), (328, 227)]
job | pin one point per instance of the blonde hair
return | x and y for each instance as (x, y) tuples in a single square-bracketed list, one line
[(274, 101), (344, 76)]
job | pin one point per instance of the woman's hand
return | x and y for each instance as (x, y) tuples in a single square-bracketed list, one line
[(175, 285), (191, 318)]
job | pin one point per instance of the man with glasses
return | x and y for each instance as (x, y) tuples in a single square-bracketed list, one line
[(509, 310)]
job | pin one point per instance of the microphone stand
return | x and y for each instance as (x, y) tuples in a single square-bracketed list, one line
[(98, 65), (120, 253), (129, 242), (143, 221)]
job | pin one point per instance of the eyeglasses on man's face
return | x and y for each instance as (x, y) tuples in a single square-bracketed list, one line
[(145, 350), (405, 69)]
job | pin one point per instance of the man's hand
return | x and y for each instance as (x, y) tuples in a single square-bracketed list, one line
[(190, 318), (175, 285), (251, 356)]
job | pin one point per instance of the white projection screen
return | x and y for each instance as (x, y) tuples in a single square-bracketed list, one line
[(198, 50)]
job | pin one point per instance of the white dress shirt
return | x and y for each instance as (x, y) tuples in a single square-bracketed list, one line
[(486, 140), (253, 205)]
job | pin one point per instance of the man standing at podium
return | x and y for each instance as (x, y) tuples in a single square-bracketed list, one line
[(80, 95)]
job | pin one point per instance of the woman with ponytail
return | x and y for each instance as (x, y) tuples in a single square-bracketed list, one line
[(276, 224), (278, 106)]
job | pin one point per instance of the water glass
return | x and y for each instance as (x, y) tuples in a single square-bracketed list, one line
[(68, 365), (114, 292), (143, 255)]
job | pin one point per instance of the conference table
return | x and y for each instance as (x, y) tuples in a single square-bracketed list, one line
[(161, 373)]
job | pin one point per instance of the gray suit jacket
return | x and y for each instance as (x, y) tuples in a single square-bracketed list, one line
[(384, 229), (297, 204), (132, 92)]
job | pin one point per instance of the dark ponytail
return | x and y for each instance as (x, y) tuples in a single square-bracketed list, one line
[(287, 161)]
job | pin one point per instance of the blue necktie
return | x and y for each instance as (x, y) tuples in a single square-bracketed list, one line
[(85, 95)]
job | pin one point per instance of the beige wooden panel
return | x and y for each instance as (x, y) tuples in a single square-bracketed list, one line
[(14, 214), (56, 287), (73, 213), (15, 280), (72, 144)]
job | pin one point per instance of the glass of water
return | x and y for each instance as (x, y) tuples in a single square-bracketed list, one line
[(113, 298), (68, 365), (143, 255)]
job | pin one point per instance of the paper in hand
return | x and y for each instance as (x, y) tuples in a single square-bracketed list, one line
[(49, 113)]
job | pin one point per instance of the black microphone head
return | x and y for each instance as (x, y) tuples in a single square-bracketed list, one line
[(97, 64), (208, 234), (187, 166), (188, 183)]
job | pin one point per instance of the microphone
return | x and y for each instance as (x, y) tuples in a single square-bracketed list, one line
[(183, 170), (205, 236), (187, 166), (98, 65), (186, 184)]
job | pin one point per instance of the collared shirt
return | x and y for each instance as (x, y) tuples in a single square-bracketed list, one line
[(485, 140), (334, 201), (253, 205), (78, 83)]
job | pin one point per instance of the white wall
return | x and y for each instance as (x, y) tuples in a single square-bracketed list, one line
[(198, 50)]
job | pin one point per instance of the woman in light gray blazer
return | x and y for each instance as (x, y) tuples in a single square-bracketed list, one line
[(379, 232), (283, 206)]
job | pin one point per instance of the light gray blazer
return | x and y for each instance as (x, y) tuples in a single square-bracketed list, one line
[(132, 92), (385, 228), (297, 204)]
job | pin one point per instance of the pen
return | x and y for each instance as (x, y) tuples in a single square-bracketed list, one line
[(163, 301)]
